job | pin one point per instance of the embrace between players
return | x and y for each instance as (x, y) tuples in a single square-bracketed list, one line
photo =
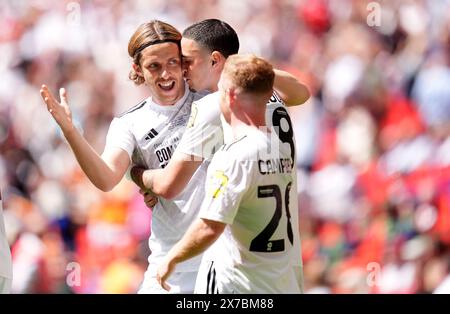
[(213, 152)]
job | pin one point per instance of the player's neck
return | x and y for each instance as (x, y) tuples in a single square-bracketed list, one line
[(213, 88), (240, 129), (247, 118)]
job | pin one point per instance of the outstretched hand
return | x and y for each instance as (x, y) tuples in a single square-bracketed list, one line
[(59, 110)]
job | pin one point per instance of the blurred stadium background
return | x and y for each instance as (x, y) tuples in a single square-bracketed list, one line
[(373, 141)]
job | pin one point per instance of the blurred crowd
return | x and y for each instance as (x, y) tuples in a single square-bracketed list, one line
[(373, 142)]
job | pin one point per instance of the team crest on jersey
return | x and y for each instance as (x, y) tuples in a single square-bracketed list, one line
[(218, 184), (193, 116)]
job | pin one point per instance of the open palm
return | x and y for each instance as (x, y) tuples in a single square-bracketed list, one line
[(59, 110)]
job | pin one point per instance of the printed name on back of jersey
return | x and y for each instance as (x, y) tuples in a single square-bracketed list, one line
[(273, 166)]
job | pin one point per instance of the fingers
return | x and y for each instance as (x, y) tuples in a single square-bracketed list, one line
[(63, 95), (148, 197), (45, 93), (59, 111), (47, 97), (165, 286), (162, 282), (44, 88), (150, 201)]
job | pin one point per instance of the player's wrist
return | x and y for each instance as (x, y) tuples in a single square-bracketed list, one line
[(69, 131), (136, 175), (147, 179), (172, 261)]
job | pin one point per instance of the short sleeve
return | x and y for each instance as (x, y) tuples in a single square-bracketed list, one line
[(203, 135), (227, 182), (120, 136)]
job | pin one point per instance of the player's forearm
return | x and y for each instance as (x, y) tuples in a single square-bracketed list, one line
[(173, 179), (200, 235), (159, 181), (95, 168), (291, 91)]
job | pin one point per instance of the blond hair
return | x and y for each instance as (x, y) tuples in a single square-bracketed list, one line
[(148, 34), (250, 74)]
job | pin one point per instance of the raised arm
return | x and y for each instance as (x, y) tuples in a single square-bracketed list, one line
[(291, 91), (105, 171)]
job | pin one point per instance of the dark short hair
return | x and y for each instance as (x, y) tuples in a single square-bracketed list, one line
[(214, 35)]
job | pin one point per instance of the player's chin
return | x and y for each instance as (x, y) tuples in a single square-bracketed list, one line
[(191, 85)]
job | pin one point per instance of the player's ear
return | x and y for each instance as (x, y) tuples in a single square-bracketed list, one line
[(137, 69), (217, 59), (231, 95)]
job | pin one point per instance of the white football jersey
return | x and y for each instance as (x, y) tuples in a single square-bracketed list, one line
[(207, 131), (204, 133), (149, 133), (251, 187), (5, 253)]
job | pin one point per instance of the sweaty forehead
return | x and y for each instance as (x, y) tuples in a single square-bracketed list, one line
[(160, 52)]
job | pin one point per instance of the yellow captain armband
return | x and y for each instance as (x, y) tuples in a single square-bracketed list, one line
[(218, 183)]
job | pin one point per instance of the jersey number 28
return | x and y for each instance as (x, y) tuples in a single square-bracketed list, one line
[(262, 242)]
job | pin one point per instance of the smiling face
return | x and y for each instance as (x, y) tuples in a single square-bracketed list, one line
[(160, 65), (197, 63)]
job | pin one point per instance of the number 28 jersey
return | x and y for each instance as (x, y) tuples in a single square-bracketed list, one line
[(206, 132), (251, 186)]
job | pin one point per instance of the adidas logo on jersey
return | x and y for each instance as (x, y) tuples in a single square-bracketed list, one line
[(151, 134)]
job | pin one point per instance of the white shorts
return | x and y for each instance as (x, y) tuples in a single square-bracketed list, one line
[(298, 270), (5, 285), (208, 280), (180, 282)]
